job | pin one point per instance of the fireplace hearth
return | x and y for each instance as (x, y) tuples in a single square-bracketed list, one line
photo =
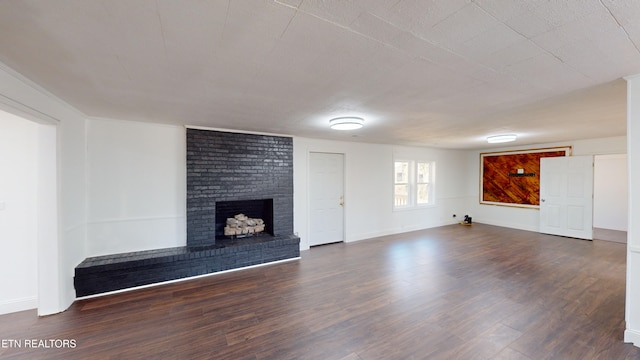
[(102, 274)]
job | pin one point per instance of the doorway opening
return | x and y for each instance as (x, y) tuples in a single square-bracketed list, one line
[(610, 198), (28, 213), (18, 213)]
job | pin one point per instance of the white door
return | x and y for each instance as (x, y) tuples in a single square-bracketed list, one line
[(326, 198), (566, 196)]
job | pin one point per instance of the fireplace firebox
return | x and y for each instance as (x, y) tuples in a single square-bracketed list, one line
[(260, 209)]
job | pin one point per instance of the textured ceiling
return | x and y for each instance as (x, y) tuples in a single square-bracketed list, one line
[(443, 73)]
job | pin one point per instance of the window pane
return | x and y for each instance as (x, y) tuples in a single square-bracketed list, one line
[(423, 172), (423, 194), (402, 172), (401, 195)]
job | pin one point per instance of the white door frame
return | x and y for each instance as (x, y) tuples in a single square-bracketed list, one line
[(49, 297)]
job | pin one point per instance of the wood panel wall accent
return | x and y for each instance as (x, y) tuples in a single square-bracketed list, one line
[(512, 178)]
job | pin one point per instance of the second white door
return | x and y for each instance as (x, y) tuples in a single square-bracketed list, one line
[(566, 196), (326, 198)]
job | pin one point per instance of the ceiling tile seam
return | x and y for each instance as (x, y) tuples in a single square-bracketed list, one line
[(226, 20), (286, 5), (351, 30), (348, 27), (324, 19), (275, 45), (486, 67), (390, 45), (287, 27), (518, 32), (113, 51), (620, 25), (124, 68), (452, 14), (164, 41), (451, 51), (98, 81), (392, 7), (533, 42), (415, 56)]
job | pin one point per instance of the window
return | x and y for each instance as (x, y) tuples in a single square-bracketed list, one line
[(401, 190), (413, 184), (423, 181)]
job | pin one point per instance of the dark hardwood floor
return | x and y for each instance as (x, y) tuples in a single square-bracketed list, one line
[(454, 292)]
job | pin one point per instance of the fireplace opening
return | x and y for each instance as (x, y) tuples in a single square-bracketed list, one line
[(258, 209)]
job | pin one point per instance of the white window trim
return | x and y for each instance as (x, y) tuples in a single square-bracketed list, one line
[(412, 203)]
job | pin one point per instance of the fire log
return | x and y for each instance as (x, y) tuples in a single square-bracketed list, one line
[(243, 225)]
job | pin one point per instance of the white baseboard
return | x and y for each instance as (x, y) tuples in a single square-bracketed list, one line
[(370, 235), (396, 231), (508, 225), (610, 235), (15, 305), (632, 336)]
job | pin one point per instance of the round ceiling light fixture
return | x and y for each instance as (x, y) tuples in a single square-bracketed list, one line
[(346, 123), (501, 138)]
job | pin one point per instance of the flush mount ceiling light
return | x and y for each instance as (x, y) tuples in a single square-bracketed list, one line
[(346, 123), (501, 138)]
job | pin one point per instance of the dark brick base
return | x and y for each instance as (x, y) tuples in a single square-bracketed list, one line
[(102, 274)]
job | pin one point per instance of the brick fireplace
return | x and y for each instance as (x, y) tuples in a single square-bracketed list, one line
[(227, 173), (225, 167)]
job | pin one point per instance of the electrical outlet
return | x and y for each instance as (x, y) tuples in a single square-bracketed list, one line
[(2, 205)]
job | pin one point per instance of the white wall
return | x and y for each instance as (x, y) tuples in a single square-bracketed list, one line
[(632, 313), (139, 198), (50, 279), (369, 188), (137, 174), (18, 210), (136, 186), (72, 202), (610, 192), (65, 145), (526, 218), (137, 191)]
